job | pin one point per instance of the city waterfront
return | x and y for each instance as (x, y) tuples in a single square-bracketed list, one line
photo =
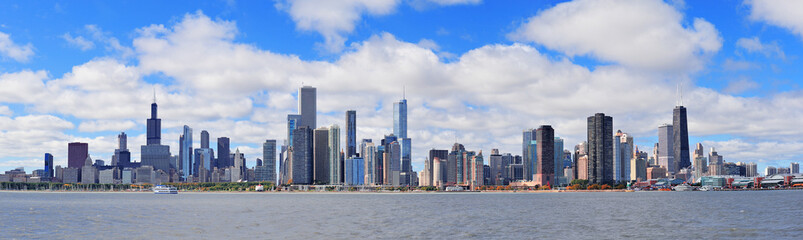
[(611, 215)]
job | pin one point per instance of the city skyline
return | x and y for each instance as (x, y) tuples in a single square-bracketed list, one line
[(119, 67)]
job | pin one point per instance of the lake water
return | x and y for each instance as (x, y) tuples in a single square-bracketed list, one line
[(639, 215)]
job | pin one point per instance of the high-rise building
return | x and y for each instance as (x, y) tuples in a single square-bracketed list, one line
[(320, 157), (528, 153), (154, 153), (335, 168), (558, 162), (623, 153), (76, 154), (680, 138), (715, 163), (666, 157), (400, 119), (368, 153), (638, 166), (545, 162), (406, 158), (477, 171), (223, 153), (770, 170), (454, 164), (122, 157), (293, 122), (751, 170), (48, 167), (269, 159), (351, 133), (600, 149), (437, 172), (794, 168), (434, 153), (497, 166), (302, 167), (185, 153), (154, 126), (307, 106), (204, 139)]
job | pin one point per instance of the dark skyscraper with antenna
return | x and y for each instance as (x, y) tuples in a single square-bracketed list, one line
[(154, 125), (680, 134)]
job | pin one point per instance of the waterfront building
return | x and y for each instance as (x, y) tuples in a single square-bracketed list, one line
[(351, 133), (144, 174), (239, 169), (638, 166), (622, 156), (656, 172), (438, 169), (269, 159), (545, 160), (335, 160), (320, 158), (454, 162), (497, 167), (600, 149), (751, 170), (76, 154), (435, 153), (89, 174), (580, 150), (307, 107), (558, 162), (48, 173), (715, 163), (154, 153), (185, 154), (368, 153), (516, 172), (666, 157), (794, 168), (478, 170), (782, 170), (355, 173), (302, 161), (568, 173), (71, 175), (108, 176), (528, 152), (127, 176), (680, 135), (223, 153)]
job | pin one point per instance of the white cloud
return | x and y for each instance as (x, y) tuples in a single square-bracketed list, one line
[(754, 45), (5, 111), (333, 19), (736, 65), (425, 4), (644, 34), (781, 13), (112, 44), (740, 85), (17, 52), (79, 42), (22, 87), (105, 125)]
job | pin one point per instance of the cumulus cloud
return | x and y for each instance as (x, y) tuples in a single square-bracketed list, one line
[(20, 53), (5, 111), (740, 85), (781, 13), (105, 125), (754, 44), (78, 42), (643, 34), (333, 19)]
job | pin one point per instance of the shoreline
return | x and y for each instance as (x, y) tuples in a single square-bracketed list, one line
[(389, 192)]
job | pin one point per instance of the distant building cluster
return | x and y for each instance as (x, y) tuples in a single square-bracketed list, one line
[(312, 155)]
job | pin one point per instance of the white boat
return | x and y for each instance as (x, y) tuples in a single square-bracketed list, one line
[(259, 188), (705, 188), (162, 189), (683, 187)]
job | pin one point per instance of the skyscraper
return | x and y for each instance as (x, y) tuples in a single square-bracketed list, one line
[(48, 176), (302, 171), (680, 138), (76, 154), (400, 119), (600, 149), (269, 159), (794, 168), (293, 121), (368, 153), (223, 152), (545, 173), (406, 158), (307, 106), (185, 153), (122, 141), (204, 139), (154, 153), (320, 158), (335, 167), (558, 162), (433, 154), (122, 157), (154, 126), (666, 157), (527, 155), (351, 133)]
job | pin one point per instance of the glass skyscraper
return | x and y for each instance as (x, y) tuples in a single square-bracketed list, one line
[(307, 106), (680, 138), (400, 119), (269, 159), (351, 133), (600, 149), (185, 153)]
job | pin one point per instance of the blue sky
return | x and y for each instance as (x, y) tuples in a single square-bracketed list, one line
[(478, 71)]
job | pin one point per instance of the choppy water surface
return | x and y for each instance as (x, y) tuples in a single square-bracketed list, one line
[(642, 215)]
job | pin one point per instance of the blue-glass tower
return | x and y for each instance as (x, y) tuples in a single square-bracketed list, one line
[(400, 119), (185, 154)]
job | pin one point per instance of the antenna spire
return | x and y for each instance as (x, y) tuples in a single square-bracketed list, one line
[(154, 94), (404, 92)]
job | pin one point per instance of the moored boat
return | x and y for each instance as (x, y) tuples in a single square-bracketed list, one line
[(162, 189), (683, 187)]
